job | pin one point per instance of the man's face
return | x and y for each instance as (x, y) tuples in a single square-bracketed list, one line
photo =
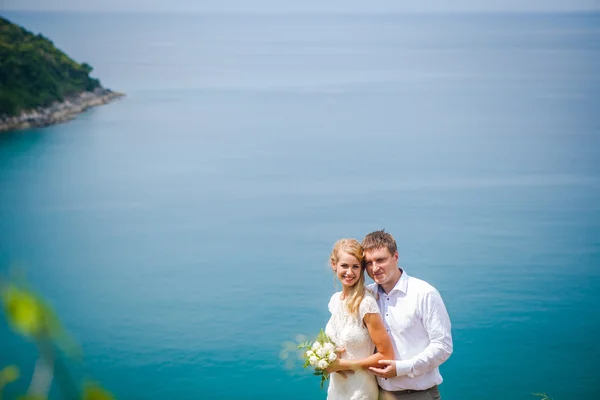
[(382, 267)]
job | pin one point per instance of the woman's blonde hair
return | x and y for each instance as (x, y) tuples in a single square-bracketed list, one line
[(357, 291)]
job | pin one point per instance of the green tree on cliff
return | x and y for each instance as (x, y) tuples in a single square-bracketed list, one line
[(34, 73)]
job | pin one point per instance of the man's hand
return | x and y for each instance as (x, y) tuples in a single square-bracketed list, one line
[(387, 371)]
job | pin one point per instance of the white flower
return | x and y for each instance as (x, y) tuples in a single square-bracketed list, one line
[(332, 357), (309, 354), (329, 347), (316, 346), (321, 352), (313, 360), (323, 364)]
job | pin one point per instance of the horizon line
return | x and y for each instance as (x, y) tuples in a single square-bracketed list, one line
[(307, 12)]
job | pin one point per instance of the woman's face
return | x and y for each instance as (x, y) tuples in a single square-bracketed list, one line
[(347, 269)]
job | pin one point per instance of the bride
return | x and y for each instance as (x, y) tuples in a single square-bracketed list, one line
[(356, 327)]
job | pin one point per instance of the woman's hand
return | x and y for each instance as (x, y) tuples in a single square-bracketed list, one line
[(334, 366), (339, 365)]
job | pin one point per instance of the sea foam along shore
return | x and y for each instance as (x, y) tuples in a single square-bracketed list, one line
[(58, 112)]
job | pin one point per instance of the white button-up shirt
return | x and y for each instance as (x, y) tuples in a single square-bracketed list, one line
[(419, 327)]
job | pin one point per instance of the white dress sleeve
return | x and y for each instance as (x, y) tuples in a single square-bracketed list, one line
[(332, 302), (368, 305)]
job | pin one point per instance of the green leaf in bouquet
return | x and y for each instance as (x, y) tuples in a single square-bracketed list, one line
[(323, 379), (304, 345), (323, 338)]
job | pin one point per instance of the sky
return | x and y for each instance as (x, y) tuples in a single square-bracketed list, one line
[(266, 6)]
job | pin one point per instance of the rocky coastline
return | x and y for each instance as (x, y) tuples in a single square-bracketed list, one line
[(58, 112)]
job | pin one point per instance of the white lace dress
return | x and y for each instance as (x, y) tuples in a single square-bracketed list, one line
[(350, 333)]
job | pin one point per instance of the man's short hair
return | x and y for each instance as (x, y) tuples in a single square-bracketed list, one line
[(378, 240)]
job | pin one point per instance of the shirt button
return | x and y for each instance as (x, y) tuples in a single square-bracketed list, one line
[(388, 300), (387, 315)]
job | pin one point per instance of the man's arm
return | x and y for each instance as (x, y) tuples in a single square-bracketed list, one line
[(437, 324)]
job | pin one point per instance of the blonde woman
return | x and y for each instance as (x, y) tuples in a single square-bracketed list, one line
[(356, 326)]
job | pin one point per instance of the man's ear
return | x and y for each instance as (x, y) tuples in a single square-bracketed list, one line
[(396, 256)]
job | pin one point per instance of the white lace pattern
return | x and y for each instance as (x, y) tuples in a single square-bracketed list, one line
[(350, 333)]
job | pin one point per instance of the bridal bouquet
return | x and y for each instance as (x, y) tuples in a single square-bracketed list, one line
[(319, 354)]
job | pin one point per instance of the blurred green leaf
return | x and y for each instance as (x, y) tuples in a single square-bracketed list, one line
[(9, 374), (24, 311), (93, 391), (29, 315)]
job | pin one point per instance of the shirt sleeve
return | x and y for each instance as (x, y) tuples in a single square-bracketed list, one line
[(368, 305), (437, 324)]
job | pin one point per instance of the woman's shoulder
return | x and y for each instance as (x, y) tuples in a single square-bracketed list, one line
[(335, 298), (370, 296), (368, 304)]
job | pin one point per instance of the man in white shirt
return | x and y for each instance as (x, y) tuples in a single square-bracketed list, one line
[(416, 320)]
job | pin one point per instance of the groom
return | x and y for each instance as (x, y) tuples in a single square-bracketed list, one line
[(416, 320)]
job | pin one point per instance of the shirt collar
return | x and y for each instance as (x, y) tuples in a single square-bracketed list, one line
[(401, 285)]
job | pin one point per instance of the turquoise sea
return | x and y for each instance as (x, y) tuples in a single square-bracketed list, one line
[(182, 233)]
